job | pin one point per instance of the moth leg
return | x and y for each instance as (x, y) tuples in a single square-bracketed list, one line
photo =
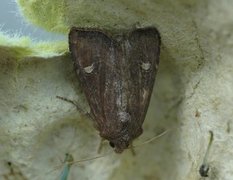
[(77, 106), (100, 146), (132, 150)]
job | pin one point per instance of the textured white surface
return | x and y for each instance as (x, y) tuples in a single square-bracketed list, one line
[(192, 95)]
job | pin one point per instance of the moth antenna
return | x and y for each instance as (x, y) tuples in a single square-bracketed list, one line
[(152, 139), (92, 158), (68, 162), (79, 161), (204, 168), (77, 106)]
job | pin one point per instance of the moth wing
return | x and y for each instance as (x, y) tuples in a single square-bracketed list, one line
[(90, 49), (143, 62)]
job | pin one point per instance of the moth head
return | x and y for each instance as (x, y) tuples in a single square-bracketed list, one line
[(121, 132), (121, 143)]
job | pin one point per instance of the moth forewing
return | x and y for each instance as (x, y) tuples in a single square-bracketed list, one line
[(117, 76), (143, 59)]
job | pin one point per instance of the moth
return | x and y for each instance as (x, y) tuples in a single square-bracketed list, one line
[(117, 73)]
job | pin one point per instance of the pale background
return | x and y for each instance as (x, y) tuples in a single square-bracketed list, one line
[(12, 22)]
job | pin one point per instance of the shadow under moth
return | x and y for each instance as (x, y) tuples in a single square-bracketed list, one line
[(117, 73)]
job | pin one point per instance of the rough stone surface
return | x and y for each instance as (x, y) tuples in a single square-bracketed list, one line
[(193, 94)]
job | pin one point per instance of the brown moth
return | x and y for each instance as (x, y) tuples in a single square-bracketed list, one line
[(117, 74)]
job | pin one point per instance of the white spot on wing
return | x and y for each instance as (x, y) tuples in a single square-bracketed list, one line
[(89, 69), (146, 66)]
